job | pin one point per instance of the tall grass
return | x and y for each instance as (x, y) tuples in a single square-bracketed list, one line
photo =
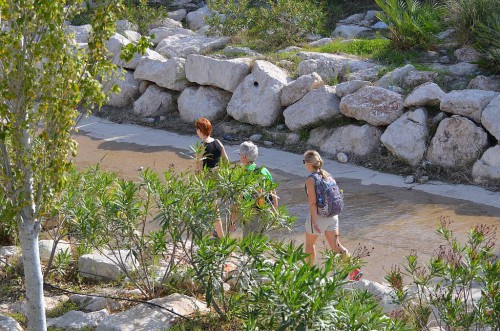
[(412, 23)]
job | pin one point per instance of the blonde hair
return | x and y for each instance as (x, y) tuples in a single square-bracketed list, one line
[(313, 158)]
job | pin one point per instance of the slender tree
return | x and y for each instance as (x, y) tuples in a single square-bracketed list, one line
[(44, 78)]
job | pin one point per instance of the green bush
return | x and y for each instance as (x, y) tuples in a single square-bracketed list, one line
[(443, 289), (411, 23), (478, 23), (270, 23), (143, 14)]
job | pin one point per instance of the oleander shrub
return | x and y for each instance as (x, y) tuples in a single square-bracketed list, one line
[(412, 23), (443, 289)]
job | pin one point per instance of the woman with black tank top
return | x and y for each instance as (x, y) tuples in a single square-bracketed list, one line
[(213, 151)]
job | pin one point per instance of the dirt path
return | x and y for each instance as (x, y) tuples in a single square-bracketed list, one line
[(391, 220)]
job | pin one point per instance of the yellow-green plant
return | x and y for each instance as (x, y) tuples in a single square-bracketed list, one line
[(412, 23)]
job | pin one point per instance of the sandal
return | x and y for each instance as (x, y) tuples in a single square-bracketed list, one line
[(355, 275)]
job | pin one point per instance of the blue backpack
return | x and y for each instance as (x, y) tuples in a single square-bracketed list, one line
[(329, 198)]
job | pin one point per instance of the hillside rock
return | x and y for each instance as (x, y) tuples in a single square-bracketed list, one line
[(428, 94), (488, 167), (315, 107), (203, 101), (406, 137), (490, 117), (224, 74), (183, 45), (352, 140), (375, 105), (155, 102), (129, 91), (294, 91), (468, 103), (350, 87), (165, 73), (257, 99), (105, 265), (485, 83), (457, 142), (196, 19)]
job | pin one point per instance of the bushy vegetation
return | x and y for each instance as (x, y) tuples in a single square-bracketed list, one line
[(269, 23), (412, 23)]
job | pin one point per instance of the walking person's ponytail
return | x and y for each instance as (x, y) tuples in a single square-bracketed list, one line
[(316, 161)]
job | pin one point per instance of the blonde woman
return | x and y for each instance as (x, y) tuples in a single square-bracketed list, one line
[(315, 224)]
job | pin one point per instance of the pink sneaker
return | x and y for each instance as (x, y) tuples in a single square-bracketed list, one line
[(355, 275)]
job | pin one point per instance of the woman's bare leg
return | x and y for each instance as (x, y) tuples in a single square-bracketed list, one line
[(218, 228), (310, 247), (333, 240)]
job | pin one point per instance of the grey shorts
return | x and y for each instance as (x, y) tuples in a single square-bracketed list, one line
[(324, 223)]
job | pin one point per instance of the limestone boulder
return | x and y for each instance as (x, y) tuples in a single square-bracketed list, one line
[(350, 87), (165, 22), (123, 25), (318, 136), (406, 137), (92, 303), (183, 45), (45, 247), (155, 102), (490, 118), (178, 15), (77, 320), (81, 33), (143, 317), (106, 265), (315, 107), (375, 105), (352, 140), (165, 73), (115, 45), (468, 103), (416, 78), (485, 83), (457, 142), (487, 168), (203, 101), (428, 94), (163, 32), (395, 77), (132, 36), (196, 19), (294, 91), (224, 74), (129, 91), (7, 323), (350, 31), (257, 99), (467, 54)]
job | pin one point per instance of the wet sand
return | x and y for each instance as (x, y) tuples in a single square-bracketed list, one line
[(391, 220)]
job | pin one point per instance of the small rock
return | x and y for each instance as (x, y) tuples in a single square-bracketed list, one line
[(140, 169), (281, 127), (148, 120), (268, 143), (423, 179), (409, 179), (255, 137), (342, 157)]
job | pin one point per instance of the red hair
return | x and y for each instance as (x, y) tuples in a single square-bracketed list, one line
[(204, 126)]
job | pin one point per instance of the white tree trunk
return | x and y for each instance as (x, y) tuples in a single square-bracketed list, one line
[(28, 236)]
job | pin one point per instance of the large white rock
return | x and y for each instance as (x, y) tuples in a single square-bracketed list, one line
[(203, 101), (488, 167), (457, 142), (165, 73), (107, 265), (9, 251), (428, 94), (81, 32), (183, 45), (115, 45), (257, 99), (490, 117), (315, 107), (196, 19), (352, 140), (155, 102), (77, 320), (45, 247), (467, 54), (165, 22), (178, 14), (129, 91), (163, 32), (319, 135), (145, 317), (350, 87), (7, 323), (123, 25), (485, 83), (407, 136), (374, 105), (416, 78), (224, 74), (294, 91), (395, 77), (349, 31), (92, 303), (468, 103)]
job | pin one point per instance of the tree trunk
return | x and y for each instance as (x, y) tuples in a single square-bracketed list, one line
[(29, 229)]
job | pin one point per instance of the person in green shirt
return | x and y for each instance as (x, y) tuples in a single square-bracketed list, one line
[(248, 153)]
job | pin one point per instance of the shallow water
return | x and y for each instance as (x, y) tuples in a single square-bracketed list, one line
[(391, 220)]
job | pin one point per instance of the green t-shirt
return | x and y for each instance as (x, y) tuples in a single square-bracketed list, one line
[(263, 171)]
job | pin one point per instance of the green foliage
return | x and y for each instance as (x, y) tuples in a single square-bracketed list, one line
[(143, 14), (269, 23), (62, 308), (443, 289), (412, 23), (478, 23)]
